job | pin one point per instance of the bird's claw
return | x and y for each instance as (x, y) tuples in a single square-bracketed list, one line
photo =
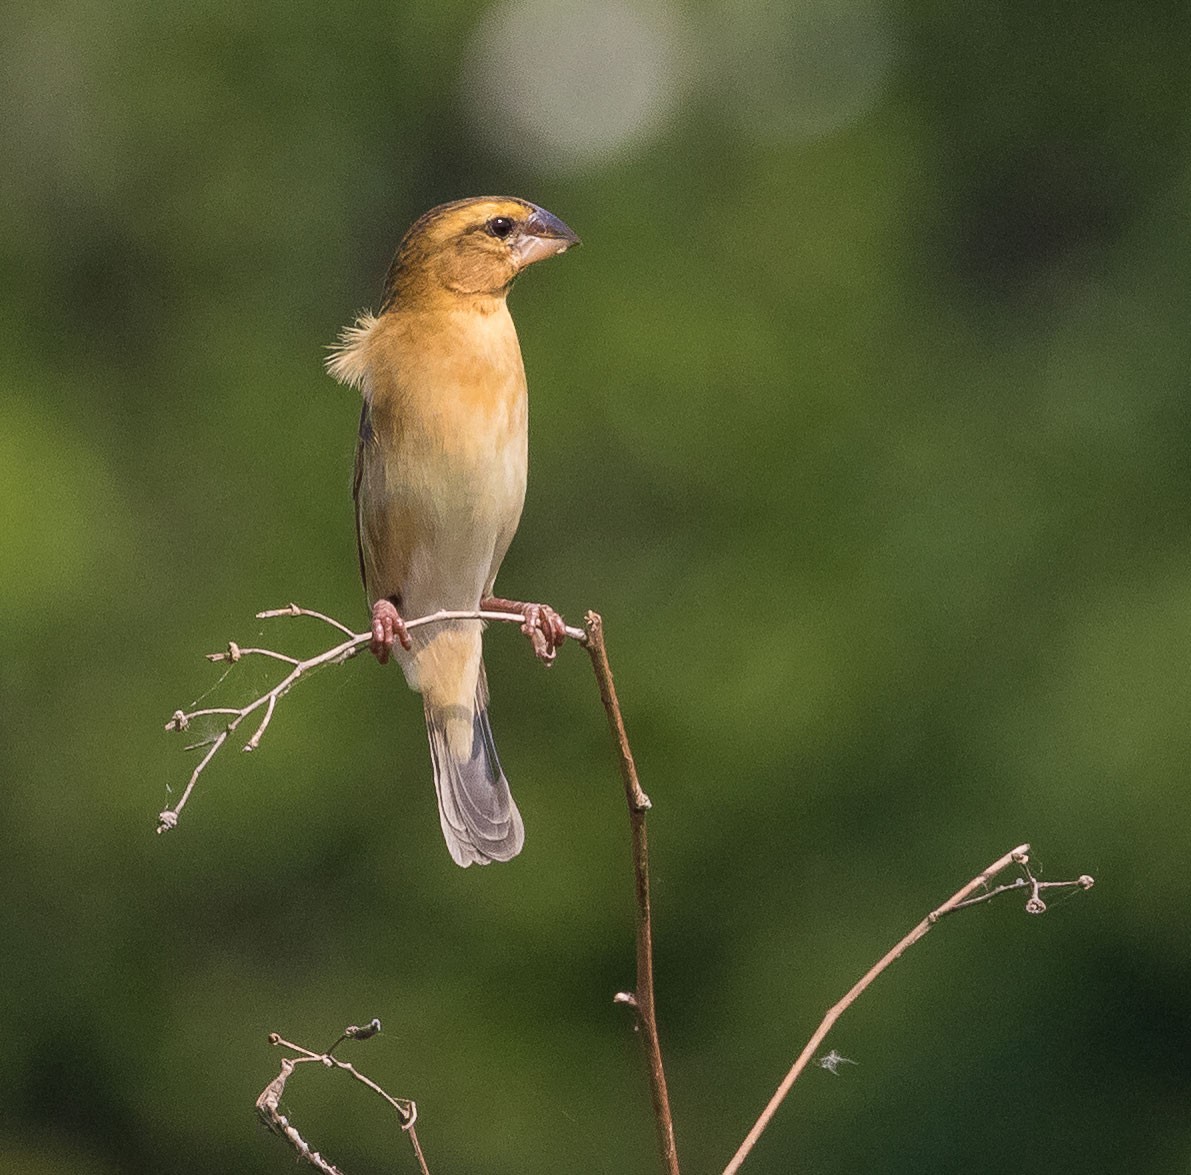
[(544, 627), (546, 631), (387, 627)]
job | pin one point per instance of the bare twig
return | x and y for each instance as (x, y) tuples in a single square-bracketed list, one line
[(337, 655), (958, 900), (269, 1103), (1034, 904), (641, 1000)]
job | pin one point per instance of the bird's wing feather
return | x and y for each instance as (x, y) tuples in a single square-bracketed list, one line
[(363, 439)]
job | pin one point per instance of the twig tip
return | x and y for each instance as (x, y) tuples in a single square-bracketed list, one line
[(232, 653)]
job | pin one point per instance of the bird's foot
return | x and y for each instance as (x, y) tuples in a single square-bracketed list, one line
[(387, 627), (544, 627)]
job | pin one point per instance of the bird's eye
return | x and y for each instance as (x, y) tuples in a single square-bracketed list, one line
[(500, 226)]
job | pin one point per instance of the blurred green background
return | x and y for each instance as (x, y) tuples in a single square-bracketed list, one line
[(861, 415)]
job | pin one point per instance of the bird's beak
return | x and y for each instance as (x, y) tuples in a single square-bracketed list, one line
[(544, 236)]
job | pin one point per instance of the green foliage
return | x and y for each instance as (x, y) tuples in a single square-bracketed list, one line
[(873, 451)]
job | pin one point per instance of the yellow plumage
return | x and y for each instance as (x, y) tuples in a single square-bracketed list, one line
[(440, 477)]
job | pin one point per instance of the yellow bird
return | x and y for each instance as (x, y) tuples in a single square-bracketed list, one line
[(440, 483)]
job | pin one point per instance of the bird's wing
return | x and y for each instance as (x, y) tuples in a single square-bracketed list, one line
[(363, 439)]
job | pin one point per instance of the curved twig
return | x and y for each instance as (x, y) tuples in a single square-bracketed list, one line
[(268, 1105), (962, 898)]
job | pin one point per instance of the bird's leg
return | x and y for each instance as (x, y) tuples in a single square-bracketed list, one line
[(544, 627), (387, 626)]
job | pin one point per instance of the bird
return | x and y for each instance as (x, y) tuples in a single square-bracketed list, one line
[(439, 484)]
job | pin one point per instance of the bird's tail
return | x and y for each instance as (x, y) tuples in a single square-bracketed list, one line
[(479, 818)]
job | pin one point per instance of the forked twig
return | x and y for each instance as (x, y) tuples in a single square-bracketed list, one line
[(959, 900), (337, 655), (268, 1105)]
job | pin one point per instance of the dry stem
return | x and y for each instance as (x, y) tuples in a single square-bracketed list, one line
[(959, 900), (641, 999), (268, 1104), (592, 638)]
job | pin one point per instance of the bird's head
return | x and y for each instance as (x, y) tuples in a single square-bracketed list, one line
[(473, 248)]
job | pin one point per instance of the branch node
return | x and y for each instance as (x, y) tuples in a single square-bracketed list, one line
[(232, 653), (364, 1032), (178, 722), (626, 999)]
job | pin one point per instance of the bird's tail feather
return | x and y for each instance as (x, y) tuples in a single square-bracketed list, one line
[(479, 818)]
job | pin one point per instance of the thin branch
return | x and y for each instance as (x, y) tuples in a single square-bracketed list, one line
[(1035, 904), (337, 655), (958, 900), (641, 1000), (268, 1105)]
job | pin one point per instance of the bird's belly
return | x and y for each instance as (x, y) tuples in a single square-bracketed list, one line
[(446, 502), (466, 513)]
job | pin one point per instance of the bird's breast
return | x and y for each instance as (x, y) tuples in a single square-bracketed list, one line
[(445, 477), (459, 411)]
